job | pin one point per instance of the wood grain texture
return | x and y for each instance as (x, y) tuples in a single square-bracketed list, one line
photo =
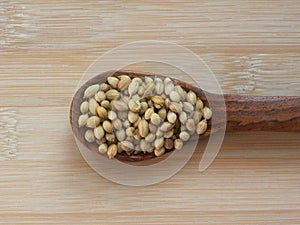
[(253, 48), (8, 133), (262, 113)]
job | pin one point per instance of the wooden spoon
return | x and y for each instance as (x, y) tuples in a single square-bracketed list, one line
[(244, 113)]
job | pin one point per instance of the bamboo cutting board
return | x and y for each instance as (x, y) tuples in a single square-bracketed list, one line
[(253, 47)]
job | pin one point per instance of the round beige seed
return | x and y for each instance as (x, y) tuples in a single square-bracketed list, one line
[(107, 126), (127, 146), (181, 92), (124, 83), (169, 134), (84, 107), (106, 104), (113, 81), (148, 80), (91, 91), (150, 137), (111, 138), (167, 80), (157, 106), (119, 105), (191, 97), (102, 148), (121, 135), (197, 116), (158, 80), (174, 96), (93, 104), (143, 128), (190, 125), (117, 124), (155, 119), (159, 152), (199, 104), (169, 86), (138, 80), (130, 131), (102, 113), (100, 96), (82, 120), (184, 136), (159, 87), (133, 117), (149, 113), (171, 117), (111, 115), (122, 76), (175, 107), (152, 128), (162, 113), (126, 124), (201, 127), (207, 113), (141, 90), (133, 87), (104, 87), (188, 107), (160, 101), (112, 151), (149, 90), (89, 136), (112, 94), (159, 143), (183, 117), (178, 144), (134, 105), (99, 132), (166, 126), (93, 122)]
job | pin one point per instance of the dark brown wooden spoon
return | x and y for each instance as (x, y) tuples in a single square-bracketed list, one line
[(244, 113)]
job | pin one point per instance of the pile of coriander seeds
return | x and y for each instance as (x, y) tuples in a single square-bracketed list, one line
[(140, 115)]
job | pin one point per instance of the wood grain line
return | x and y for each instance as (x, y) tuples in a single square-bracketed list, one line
[(8, 133)]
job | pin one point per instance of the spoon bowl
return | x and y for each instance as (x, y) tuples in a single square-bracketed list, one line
[(101, 78)]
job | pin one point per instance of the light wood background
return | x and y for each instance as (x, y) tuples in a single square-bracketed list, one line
[(253, 47)]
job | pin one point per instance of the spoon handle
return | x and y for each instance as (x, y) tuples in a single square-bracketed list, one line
[(258, 113)]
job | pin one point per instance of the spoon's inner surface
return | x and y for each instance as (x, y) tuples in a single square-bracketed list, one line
[(137, 116)]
